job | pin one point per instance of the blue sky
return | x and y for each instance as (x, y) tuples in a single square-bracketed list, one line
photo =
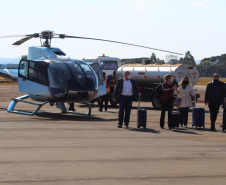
[(197, 26)]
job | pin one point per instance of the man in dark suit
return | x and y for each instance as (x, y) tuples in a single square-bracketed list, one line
[(126, 91), (214, 97)]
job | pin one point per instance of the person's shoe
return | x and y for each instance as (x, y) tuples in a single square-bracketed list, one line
[(119, 126), (213, 128), (185, 126), (162, 127), (126, 126), (100, 110)]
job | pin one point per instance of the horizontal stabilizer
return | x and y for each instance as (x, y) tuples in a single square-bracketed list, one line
[(5, 73)]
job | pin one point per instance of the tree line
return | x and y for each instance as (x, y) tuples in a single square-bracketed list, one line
[(214, 64)]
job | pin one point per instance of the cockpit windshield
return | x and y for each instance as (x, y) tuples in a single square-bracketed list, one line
[(59, 75), (109, 65), (71, 75)]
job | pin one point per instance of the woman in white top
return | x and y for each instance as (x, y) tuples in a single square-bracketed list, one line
[(184, 91)]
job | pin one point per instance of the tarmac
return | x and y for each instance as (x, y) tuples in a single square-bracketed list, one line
[(55, 148)]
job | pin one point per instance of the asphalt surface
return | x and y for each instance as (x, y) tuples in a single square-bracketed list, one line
[(54, 148)]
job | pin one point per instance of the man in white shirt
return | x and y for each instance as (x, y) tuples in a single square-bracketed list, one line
[(125, 92)]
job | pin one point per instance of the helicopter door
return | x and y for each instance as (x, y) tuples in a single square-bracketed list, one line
[(101, 84), (32, 78)]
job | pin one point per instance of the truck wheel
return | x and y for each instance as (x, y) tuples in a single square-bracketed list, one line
[(156, 102), (113, 104)]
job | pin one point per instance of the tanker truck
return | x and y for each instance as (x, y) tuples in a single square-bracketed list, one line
[(149, 76)]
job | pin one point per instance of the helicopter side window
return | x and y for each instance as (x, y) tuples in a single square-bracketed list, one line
[(98, 71), (23, 69), (32, 72), (37, 72)]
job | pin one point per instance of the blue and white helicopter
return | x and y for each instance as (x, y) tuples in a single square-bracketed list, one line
[(48, 75)]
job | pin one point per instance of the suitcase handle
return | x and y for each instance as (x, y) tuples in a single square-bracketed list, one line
[(138, 101), (195, 100)]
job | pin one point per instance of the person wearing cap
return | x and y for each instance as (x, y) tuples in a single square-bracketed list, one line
[(104, 98), (214, 97), (126, 91)]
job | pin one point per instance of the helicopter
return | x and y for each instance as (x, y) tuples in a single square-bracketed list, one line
[(47, 75)]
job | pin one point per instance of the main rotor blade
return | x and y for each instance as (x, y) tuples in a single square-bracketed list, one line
[(8, 36), (21, 41), (122, 43)]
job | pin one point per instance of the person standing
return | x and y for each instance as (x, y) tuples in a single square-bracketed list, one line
[(214, 97), (104, 98), (126, 91), (72, 107), (166, 100), (184, 91)]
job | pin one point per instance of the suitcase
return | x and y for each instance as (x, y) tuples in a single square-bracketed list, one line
[(175, 119), (198, 117), (224, 117), (141, 116)]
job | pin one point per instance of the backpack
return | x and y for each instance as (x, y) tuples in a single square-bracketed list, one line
[(159, 91)]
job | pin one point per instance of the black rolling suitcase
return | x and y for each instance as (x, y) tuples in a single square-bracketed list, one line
[(141, 116), (175, 119), (198, 116)]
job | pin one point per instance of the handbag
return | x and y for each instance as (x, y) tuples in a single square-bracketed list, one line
[(177, 102)]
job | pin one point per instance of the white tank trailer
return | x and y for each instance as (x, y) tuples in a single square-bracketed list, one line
[(150, 75)]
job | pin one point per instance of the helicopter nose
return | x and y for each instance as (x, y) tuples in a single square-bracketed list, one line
[(58, 93)]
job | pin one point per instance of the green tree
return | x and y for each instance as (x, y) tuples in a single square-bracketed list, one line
[(153, 58), (205, 68), (188, 57)]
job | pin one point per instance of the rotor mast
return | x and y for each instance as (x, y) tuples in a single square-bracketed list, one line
[(47, 35)]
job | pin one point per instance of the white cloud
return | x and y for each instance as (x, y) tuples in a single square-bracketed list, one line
[(146, 1), (92, 7), (141, 5), (201, 3)]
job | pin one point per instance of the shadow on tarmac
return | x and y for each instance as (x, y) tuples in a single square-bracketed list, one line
[(69, 117), (185, 131), (205, 129), (4, 109), (144, 130)]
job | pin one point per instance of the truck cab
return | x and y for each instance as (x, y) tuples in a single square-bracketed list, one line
[(109, 65)]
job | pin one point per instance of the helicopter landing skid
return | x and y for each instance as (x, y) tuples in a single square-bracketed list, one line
[(64, 110), (20, 99)]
